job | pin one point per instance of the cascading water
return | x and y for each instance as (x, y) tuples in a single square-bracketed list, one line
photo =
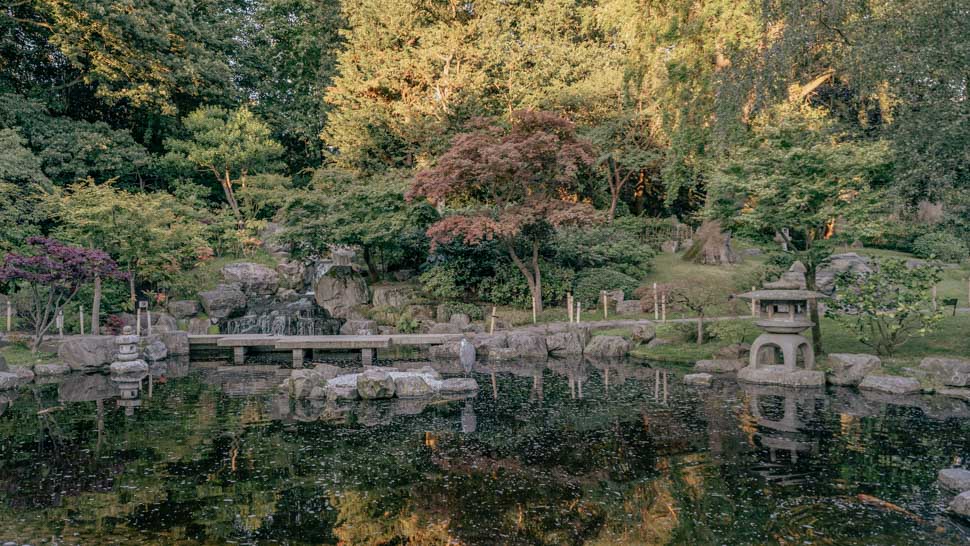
[(301, 318)]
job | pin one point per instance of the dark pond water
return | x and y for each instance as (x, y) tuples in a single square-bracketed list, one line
[(569, 453)]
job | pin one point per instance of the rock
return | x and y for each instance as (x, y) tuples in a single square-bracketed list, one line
[(528, 345), (658, 342), (445, 351), (952, 372), (9, 380), (628, 307), (317, 393), (87, 352), (177, 343), (565, 343), (183, 309), (644, 332), (962, 394), (461, 320), (252, 278), (3, 364), (502, 354), (608, 347), (719, 366), (850, 369), (961, 505), (340, 290), (129, 367), (26, 375), (699, 379), (326, 372), (291, 274), (484, 343), (836, 264), (198, 327), (392, 295), (411, 386), (342, 387), (735, 351), (222, 302), (48, 370), (163, 322), (444, 328), (779, 375), (155, 350), (890, 384), (359, 327), (458, 385), (957, 479), (375, 385)]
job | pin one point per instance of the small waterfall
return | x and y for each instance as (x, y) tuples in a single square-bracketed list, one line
[(283, 323)]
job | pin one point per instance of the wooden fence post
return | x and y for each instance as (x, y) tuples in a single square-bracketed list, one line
[(605, 306), (491, 328), (663, 307), (9, 316), (579, 311), (80, 315), (754, 305), (656, 303), (934, 297), (569, 306)]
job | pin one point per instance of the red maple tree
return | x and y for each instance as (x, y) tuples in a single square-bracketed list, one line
[(511, 183)]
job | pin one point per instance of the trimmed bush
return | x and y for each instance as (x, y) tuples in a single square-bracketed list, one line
[(941, 246), (591, 282), (508, 286)]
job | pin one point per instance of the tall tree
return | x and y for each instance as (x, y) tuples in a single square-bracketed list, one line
[(797, 176), (510, 183), (231, 145)]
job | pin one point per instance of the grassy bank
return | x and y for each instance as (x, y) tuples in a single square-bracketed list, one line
[(20, 355)]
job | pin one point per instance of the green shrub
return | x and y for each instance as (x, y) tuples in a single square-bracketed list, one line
[(616, 246), (473, 311), (407, 324), (941, 246), (441, 281), (509, 287), (591, 282)]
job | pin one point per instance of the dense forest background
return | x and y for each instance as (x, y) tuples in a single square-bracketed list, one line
[(169, 132)]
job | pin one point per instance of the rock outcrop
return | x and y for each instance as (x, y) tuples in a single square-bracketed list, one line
[(87, 352), (890, 384), (252, 278), (183, 309), (850, 369), (223, 301), (528, 345), (607, 347), (956, 479), (340, 290), (951, 372)]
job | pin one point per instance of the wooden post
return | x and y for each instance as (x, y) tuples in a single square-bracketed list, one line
[(137, 320), (60, 323), (297, 358), (605, 306), (239, 355), (9, 316), (934, 297), (569, 306), (148, 320), (491, 327), (663, 307), (579, 311), (80, 316), (754, 305), (534, 310), (656, 303)]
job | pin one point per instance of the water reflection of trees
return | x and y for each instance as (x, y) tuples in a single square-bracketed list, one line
[(633, 459)]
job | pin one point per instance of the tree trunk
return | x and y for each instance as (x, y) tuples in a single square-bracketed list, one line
[(700, 329), (131, 289), (372, 274), (96, 307), (231, 197), (813, 311), (533, 278)]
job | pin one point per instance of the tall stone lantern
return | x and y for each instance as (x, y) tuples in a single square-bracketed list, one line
[(782, 355)]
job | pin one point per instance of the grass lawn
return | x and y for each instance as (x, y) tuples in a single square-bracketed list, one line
[(19, 355)]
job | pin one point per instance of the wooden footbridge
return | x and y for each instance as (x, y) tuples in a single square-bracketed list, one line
[(367, 345)]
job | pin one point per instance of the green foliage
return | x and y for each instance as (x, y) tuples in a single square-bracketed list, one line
[(616, 246), (889, 306), (441, 281), (407, 324), (473, 311), (942, 246), (508, 286), (590, 283)]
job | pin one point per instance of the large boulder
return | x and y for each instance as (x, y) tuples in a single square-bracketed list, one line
[(9, 380), (153, 349), (358, 328), (734, 351), (528, 345), (444, 328), (445, 351), (183, 309), (850, 369), (291, 274), (163, 322), (49, 370), (836, 264), (485, 343), (199, 326), (957, 479), (252, 278), (87, 352), (340, 290), (890, 384), (411, 385), (177, 343), (952, 372), (392, 295), (565, 343), (3, 364), (644, 332), (961, 505), (458, 385), (223, 301), (375, 384), (607, 347)]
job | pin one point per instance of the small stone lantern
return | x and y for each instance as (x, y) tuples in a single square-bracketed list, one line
[(783, 316)]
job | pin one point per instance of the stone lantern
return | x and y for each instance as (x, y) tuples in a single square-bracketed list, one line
[(782, 355)]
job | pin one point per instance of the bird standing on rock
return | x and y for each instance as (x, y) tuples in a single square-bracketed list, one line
[(466, 355)]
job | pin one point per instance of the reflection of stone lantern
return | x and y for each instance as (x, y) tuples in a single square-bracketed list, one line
[(783, 316)]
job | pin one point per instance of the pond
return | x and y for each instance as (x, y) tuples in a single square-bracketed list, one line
[(556, 453)]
